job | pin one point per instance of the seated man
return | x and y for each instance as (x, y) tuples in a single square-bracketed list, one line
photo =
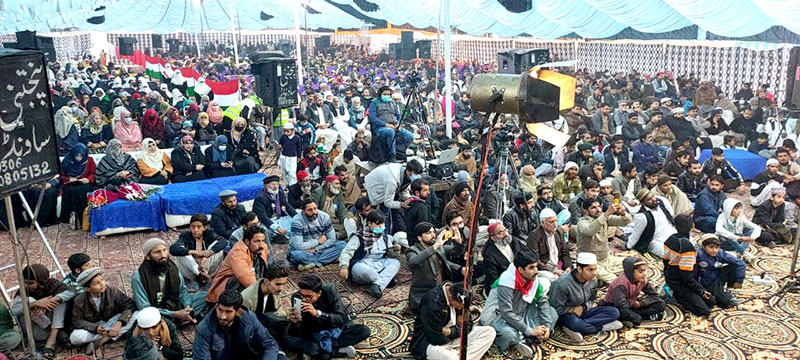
[(652, 225), (422, 261), (497, 254), (679, 201), (370, 256), (573, 297), (718, 269), (313, 243), (436, 330), (566, 185), (161, 331), (709, 205), (77, 263), (330, 200), (771, 215), (384, 120), (521, 221), (322, 314), (225, 217), (627, 184), (233, 332), (717, 165), (633, 295), (679, 270), (172, 298), (244, 264), (765, 181), (736, 231), (547, 200), (251, 219), (356, 218), (301, 190), (591, 190), (263, 298), (517, 306), (548, 240), (199, 251), (691, 181), (274, 210), (101, 314), (592, 236)]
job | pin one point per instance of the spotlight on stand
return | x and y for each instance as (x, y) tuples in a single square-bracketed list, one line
[(536, 96)]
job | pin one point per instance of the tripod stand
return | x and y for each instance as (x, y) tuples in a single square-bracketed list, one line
[(791, 285), (414, 102), (503, 164)]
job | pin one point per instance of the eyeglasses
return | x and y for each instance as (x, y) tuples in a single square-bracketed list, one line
[(458, 223), (188, 142)]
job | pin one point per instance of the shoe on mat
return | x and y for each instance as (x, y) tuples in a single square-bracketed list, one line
[(614, 325), (305, 267), (572, 335), (348, 351), (375, 291), (523, 350)]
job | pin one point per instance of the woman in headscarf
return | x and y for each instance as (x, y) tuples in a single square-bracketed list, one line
[(174, 125), (192, 110), (215, 116), (204, 132), (154, 165), (219, 158), (48, 300), (153, 127), (528, 182), (245, 148), (96, 134), (66, 130), (116, 168), (128, 132), (163, 108), (77, 179), (188, 161)]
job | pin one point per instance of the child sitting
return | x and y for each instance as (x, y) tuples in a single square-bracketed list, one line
[(736, 232), (633, 295), (717, 269), (77, 263), (680, 257)]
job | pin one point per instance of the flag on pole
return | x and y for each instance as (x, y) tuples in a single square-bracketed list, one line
[(154, 67), (225, 93)]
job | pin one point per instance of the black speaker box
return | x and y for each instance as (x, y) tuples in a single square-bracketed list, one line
[(158, 43), (26, 39), (407, 39), (517, 61), (276, 81), (126, 46), (394, 51), (408, 53), (424, 47), (793, 80), (322, 42)]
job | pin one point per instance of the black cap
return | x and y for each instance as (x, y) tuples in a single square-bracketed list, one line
[(271, 178)]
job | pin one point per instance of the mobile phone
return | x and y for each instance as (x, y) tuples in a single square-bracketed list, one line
[(617, 200), (297, 303), (448, 234)]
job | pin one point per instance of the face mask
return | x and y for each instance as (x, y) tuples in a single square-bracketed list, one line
[(79, 158), (415, 177), (240, 128), (74, 109), (128, 120), (223, 147), (379, 230), (386, 98)]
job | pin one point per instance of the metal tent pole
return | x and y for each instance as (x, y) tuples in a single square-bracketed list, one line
[(26, 311)]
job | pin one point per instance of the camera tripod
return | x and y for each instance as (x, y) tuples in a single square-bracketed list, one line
[(503, 164), (417, 114)]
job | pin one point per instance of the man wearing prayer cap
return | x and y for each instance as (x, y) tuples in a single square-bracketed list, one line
[(225, 217), (428, 264), (548, 241), (101, 313), (652, 225), (566, 185), (329, 198), (769, 179), (771, 216), (301, 189), (573, 297), (592, 236), (274, 210), (161, 331), (497, 254)]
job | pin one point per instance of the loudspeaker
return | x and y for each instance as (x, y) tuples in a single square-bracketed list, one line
[(424, 47), (157, 41), (407, 39), (793, 80), (394, 51), (175, 45), (44, 41), (26, 39), (322, 42), (533, 99), (408, 53), (276, 81), (517, 61), (126, 46), (285, 46)]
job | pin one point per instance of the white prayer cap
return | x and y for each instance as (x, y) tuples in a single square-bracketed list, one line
[(586, 258), (773, 161), (570, 164), (605, 182), (148, 317), (546, 213)]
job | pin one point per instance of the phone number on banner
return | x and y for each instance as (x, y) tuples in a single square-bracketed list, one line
[(13, 171)]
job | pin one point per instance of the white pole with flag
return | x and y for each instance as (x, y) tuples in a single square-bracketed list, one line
[(448, 84), (233, 32), (297, 43)]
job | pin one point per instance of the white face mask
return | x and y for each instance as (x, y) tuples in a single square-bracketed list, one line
[(223, 147), (127, 120)]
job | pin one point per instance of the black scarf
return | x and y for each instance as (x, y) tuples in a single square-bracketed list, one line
[(149, 272)]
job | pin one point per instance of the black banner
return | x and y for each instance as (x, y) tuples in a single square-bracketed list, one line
[(28, 149)]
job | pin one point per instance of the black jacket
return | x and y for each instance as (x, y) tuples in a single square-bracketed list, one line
[(674, 169), (494, 262), (187, 243), (334, 314), (264, 206), (769, 216), (416, 213), (434, 314), (690, 184), (423, 276), (295, 196), (531, 154), (225, 221), (519, 224), (185, 163)]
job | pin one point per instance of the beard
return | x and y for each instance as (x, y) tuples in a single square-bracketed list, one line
[(159, 265)]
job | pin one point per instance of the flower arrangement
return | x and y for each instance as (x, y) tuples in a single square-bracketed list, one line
[(131, 192), (101, 197)]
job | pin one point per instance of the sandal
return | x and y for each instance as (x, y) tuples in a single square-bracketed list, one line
[(48, 353)]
